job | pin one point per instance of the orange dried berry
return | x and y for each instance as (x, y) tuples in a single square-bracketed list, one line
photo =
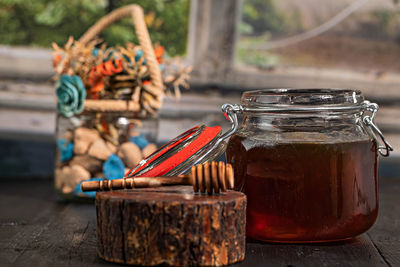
[(159, 51), (56, 60)]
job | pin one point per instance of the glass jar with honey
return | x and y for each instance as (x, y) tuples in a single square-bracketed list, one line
[(307, 161)]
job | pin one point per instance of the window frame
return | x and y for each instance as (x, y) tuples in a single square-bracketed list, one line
[(211, 52)]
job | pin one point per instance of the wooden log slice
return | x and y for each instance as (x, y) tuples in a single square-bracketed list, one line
[(171, 225)]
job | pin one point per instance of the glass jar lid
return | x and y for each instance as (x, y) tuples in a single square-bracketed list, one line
[(302, 100), (195, 146)]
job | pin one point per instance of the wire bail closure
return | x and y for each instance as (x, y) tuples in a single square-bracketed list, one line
[(217, 147), (230, 112), (368, 120)]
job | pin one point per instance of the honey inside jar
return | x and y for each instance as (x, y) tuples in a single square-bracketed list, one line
[(307, 191), (308, 164)]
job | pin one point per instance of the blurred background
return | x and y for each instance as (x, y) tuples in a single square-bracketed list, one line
[(233, 46)]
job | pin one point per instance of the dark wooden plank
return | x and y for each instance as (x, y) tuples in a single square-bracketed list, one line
[(35, 229), (38, 230), (385, 234), (67, 239), (357, 252), (24, 209)]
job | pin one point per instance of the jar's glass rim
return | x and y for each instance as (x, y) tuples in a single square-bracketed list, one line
[(302, 97)]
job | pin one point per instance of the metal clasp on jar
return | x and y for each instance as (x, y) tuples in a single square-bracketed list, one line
[(230, 111), (368, 120)]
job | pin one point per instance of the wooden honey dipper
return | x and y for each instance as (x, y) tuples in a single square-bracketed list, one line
[(207, 177)]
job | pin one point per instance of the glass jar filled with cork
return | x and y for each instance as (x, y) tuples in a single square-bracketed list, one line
[(98, 145)]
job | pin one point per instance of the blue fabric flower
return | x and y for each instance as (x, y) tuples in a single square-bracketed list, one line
[(139, 55), (113, 167), (95, 51), (78, 190), (70, 93), (66, 149), (139, 140)]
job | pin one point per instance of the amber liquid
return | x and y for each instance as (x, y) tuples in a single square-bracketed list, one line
[(306, 192)]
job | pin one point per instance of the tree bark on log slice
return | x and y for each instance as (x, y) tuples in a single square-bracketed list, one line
[(171, 225)]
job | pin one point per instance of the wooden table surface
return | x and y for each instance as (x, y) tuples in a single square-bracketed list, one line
[(38, 230)]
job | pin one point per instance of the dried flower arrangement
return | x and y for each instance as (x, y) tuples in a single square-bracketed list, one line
[(95, 72)]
